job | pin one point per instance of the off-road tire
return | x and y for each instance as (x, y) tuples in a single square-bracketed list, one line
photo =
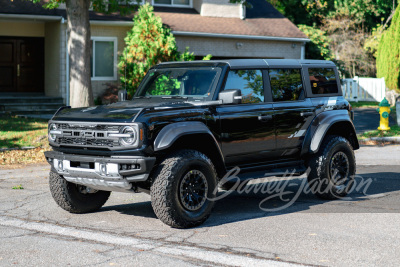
[(333, 149), (165, 190), (68, 196)]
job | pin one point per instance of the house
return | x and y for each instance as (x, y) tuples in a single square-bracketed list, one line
[(33, 40)]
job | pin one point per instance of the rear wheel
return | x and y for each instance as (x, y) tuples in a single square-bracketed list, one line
[(332, 169), (183, 188), (76, 198)]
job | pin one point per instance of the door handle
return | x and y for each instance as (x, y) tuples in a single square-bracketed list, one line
[(18, 71), (307, 114), (264, 117)]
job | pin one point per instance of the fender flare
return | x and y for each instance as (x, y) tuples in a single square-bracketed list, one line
[(321, 125), (172, 132)]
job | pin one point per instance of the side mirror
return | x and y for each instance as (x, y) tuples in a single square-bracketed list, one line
[(230, 96), (122, 95)]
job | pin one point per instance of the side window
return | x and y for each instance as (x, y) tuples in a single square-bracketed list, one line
[(323, 81), (286, 84), (250, 82)]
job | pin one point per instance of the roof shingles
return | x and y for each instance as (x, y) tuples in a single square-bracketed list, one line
[(262, 19)]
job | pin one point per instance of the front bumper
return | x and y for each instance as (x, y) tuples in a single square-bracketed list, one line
[(115, 173)]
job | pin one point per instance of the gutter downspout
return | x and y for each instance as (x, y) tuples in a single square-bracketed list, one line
[(303, 51)]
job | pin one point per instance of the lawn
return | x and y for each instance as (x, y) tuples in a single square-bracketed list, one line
[(394, 131), (365, 104), (21, 132)]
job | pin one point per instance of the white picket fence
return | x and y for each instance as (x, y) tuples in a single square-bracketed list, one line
[(364, 89)]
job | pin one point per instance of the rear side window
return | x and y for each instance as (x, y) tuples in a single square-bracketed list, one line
[(286, 84), (323, 81), (250, 82)]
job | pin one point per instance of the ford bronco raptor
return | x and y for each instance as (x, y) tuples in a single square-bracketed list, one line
[(190, 123)]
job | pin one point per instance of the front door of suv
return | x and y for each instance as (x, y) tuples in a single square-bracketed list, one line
[(293, 112), (247, 129)]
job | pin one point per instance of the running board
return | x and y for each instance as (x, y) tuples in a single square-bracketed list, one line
[(295, 168)]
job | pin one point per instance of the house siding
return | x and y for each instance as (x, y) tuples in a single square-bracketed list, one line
[(220, 8), (99, 87), (240, 48), (52, 59), (22, 29)]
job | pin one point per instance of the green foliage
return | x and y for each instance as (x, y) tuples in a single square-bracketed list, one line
[(318, 48), (110, 6), (388, 60), (18, 187), (148, 43), (372, 42), (165, 85)]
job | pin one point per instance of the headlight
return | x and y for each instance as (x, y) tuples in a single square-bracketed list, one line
[(52, 127), (130, 134)]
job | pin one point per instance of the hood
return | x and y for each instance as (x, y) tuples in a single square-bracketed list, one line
[(124, 111)]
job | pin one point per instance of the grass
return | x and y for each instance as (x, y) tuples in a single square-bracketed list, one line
[(365, 104), (394, 131), (21, 132)]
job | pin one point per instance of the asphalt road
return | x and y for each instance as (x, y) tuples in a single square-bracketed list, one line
[(362, 230), (367, 119)]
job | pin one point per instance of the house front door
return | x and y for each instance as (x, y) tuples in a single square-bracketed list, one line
[(21, 64)]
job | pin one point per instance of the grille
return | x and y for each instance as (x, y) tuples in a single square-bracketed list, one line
[(88, 142), (88, 135), (65, 126)]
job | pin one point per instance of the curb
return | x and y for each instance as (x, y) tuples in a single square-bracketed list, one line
[(392, 140)]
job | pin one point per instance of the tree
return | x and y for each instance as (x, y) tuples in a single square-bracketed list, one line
[(388, 60), (148, 43), (318, 48), (78, 29)]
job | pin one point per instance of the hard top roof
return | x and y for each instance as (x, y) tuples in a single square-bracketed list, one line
[(249, 63)]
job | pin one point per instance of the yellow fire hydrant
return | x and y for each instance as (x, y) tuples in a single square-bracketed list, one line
[(384, 111)]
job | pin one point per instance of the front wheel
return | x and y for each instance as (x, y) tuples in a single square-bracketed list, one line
[(332, 169), (183, 188), (76, 198)]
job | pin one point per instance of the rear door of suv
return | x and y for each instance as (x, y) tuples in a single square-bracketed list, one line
[(293, 112)]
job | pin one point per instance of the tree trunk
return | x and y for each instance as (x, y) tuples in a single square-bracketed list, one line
[(80, 87)]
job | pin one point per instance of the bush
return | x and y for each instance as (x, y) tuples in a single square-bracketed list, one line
[(388, 60), (148, 43)]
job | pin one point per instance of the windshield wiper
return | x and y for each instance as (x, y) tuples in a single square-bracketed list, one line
[(174, 97)]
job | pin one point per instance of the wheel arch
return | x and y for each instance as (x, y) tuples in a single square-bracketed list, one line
[(191, 135), (329, 123)]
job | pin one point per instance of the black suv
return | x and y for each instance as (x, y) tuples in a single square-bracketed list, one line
[(190, 123)]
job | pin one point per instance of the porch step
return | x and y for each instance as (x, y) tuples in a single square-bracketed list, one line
[(30, 99), (29, 104)]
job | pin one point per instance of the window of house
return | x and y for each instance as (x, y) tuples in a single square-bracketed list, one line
[(250, 82), (177, 3), (323, 81), (286, 84), (103, 58)]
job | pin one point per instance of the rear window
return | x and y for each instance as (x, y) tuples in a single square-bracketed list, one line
[(323, 81)]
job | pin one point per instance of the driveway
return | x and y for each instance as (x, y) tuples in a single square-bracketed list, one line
[(361, 230)]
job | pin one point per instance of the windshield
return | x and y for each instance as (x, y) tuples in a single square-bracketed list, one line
[(196, 83)]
